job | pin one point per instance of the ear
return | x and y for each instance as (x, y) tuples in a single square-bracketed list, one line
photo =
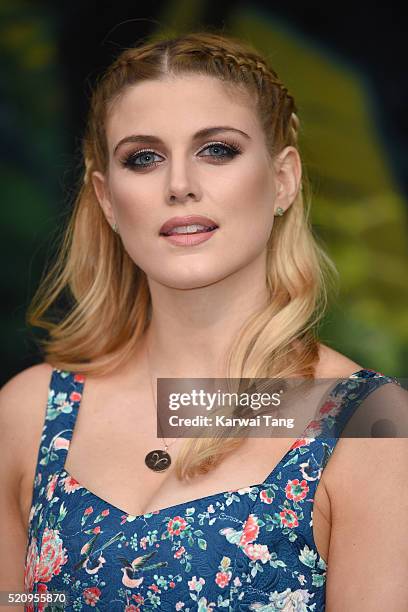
[(100, 186), (288, 176)]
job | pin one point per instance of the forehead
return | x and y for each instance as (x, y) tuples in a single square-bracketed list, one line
[(179, 105)]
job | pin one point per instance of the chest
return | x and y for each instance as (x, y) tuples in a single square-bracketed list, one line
[(116, 472), (112, 436)]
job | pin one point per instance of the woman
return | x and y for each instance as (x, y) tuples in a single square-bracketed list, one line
[(189, 254)]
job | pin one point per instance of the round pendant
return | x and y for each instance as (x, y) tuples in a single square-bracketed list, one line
[(158, 460)]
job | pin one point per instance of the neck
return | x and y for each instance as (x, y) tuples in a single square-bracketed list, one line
[(191, 330)]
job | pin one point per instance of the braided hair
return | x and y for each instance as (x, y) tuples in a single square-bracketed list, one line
[(226, 58)]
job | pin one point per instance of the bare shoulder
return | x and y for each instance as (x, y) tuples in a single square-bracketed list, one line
[(21, 398), (360, 462), (333, 364), (23, 401)]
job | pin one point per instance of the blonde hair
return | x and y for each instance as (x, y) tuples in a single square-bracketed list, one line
[(109, 294)]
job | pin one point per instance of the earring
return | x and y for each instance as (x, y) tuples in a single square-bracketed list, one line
[(279, 211), (115, 228)]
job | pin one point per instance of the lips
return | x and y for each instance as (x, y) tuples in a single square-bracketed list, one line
[(188, 220)]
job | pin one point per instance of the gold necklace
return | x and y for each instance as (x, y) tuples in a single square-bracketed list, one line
[(157, 460)]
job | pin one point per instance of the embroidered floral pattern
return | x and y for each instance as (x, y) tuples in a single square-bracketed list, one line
[(250, 549)]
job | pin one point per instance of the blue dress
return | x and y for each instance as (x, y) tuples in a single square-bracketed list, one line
[(247, 549)]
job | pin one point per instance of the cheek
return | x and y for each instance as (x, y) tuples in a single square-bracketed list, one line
[(133, 205), (253, 201), (131, 201)]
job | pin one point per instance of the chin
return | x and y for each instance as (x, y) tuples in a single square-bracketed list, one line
[(189, 283), (189, 279)]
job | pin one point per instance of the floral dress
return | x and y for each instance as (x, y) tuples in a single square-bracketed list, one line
[(248, 549)]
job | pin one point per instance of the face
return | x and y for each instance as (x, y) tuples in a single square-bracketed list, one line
[(225, 175)]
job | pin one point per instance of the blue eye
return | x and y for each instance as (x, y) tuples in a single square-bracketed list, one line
[(231, 150), (133, 161), (146, 154)]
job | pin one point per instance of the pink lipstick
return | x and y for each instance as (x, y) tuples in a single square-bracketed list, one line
[(189, 230)]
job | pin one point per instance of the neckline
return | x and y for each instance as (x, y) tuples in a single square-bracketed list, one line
[(131, 517)]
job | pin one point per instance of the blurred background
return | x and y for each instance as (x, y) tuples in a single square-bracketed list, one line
[(346, 70)]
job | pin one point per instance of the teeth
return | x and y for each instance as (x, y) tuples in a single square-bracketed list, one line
[(188, 229)]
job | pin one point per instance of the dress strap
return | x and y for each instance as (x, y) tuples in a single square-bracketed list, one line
[(64, 398), (345, 399), (302, 467), (322, 434)]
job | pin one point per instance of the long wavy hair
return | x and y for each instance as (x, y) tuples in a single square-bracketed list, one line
[(107, 294)]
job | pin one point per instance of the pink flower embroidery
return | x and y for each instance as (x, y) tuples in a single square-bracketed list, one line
[(31, 565), (61, 443), (250, 530), (266, 496), (41, 588), (51, 487), (257, 552), (296, 490), (289, 518), (301, 442), (91, 596), (176, 525), (313, 429), (331, 407), (70, 484), (52, 556), (223, 578), (194, 582)]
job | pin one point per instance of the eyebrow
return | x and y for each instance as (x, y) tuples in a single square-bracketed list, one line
[(205, 132)]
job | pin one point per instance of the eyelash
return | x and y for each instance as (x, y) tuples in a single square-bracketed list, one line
[(233, 148)]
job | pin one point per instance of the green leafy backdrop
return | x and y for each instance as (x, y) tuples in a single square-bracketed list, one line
[(358, 211)]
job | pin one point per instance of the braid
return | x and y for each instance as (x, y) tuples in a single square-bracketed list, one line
[(294, 128), (265, 78), (243, 64), (88, 163)]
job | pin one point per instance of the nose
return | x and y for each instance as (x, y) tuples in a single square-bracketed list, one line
[(181, 196), (182, 185)]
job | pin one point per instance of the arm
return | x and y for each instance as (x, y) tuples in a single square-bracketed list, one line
[(22, 409), (368, 553)]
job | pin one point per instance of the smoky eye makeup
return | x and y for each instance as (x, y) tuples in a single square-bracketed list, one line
[(220, 151)]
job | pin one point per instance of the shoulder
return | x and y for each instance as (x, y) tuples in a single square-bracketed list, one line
[(22, 392), (385, 405), (364, 481), (332, 364), (23, 401)]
